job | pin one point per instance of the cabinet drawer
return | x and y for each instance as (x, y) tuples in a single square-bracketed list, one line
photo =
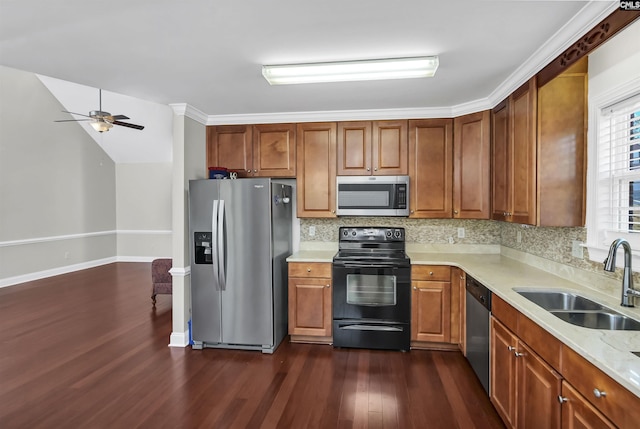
[(440, 273), (545, 344), (504, 313), (619, 405), (310, 269)]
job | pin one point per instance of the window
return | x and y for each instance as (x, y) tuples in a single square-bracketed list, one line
[(617, 182)]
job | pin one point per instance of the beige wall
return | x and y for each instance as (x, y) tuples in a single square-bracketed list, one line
[(143, 210), (57, 187)]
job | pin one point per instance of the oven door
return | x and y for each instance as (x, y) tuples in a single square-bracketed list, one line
[(379, 292)]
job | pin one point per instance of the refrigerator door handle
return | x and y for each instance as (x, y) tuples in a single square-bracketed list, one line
[(214, 241), (221, 246)]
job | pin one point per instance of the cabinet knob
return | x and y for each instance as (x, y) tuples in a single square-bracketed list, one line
[(248, 171), (333, 212), (511, 348), (411, 211), (415, 288), (327, 285), (562, 399), (518, 354), (375, 169), (430, 273), (455, 212), (599, 393), (308, 270), (368, 169), (255, 171)]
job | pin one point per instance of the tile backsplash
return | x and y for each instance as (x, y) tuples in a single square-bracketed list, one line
[(551, 243)]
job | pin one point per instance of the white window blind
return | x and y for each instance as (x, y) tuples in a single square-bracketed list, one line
[(619, 169)]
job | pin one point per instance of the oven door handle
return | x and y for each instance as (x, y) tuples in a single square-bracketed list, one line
[(366, 265), (365, 327)]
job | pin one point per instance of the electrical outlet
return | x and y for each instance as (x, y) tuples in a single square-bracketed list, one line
[(577, 250), (451, 240), (519, 237), (460, 232), (312, 231)]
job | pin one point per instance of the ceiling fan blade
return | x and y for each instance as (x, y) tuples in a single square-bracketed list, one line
[(73, 120), (128, 125), (119, 117), (74, 113)]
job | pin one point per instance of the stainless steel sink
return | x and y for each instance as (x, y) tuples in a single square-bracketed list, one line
[(599, 320), (580, 311), (553, 300)]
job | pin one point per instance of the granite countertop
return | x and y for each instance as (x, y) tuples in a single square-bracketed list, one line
[(610, 351)]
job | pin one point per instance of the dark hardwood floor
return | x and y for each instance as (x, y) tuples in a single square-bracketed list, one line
[(88, 350)]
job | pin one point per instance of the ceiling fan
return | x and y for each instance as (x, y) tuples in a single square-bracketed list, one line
[(102, 121)]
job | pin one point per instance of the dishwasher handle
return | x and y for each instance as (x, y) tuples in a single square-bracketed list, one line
[(479, 291)]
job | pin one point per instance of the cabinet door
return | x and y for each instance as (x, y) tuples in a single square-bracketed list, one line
[(430, 311), (503, 371), (310, 306), (538, 390), (471, 149), (316, 170), (430, 169), (522, 120), (390, 148), (230, 146), (500, 162), (562, 144), (578, 413), (274, 150), (354, 148)]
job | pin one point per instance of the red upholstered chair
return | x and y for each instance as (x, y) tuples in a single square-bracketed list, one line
[(160, 278)]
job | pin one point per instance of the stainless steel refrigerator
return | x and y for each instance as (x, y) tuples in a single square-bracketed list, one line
[(240, 233)]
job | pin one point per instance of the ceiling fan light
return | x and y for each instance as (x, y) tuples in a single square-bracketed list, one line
[(101, 126), (400, 68)]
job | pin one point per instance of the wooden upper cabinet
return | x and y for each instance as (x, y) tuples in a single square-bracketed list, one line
[(274, 149), (562, 128), (316, 169), (253, 150), (390, 148), (372, 148), (354, 148), (471, 166), (430, 168), (523, 105), (500, 164), (230, 146), (514, 156)]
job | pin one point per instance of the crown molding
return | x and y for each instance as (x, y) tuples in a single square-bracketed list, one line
[(184, 109), (588, 17)]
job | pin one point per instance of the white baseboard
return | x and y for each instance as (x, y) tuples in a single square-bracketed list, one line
[(10, 281), (179, 339)]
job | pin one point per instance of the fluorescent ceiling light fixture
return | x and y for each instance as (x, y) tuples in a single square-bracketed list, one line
[(401, 68)]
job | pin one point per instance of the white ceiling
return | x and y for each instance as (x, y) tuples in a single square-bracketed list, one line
[(208, 54)]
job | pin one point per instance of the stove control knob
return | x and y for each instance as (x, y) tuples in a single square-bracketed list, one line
[(353, 232), (345, 232), (397, 233), (388, 233)]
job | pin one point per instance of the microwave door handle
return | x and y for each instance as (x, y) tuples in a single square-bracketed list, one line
[(222, 245), (214, 242)]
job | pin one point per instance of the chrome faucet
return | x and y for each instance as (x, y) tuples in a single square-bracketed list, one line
[(628, 292)]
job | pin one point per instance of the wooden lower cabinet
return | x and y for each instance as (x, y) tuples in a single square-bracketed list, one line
[(524, 388), (431, 309), (578, 413), (310, 314), (539, 382)]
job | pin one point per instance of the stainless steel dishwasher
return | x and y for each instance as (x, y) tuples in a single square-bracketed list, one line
[(477, 329)]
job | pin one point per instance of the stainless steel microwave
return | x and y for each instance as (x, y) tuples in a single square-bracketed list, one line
[(372, 196)]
